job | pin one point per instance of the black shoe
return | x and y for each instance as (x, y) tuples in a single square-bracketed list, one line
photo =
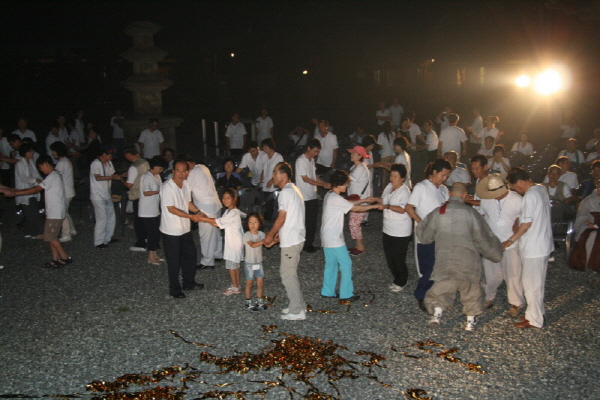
[(311, 249), (111, 241), (179, 295), (197, 286), (102, 246), (200, 266), (353, 298), (330, 297), (422, 306)]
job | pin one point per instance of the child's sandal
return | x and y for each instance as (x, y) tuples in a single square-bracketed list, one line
[(65, 261)]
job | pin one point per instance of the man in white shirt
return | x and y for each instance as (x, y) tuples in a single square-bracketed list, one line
[(569, 178), (102, 173), (23, 132), (383, 114), (501, 208), (176, 213), (396, 111), (442, 118), (535, 244), (475, 130), (55, 135), (151, 141), (329, 148), (413, 130), (235, 136), (452, 138), (595, 155), (206, 199), (289, 227), (264, 126), (139, 166), (308, 181), (253, 160)]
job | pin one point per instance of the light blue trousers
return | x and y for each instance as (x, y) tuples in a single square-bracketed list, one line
[(337, 258)]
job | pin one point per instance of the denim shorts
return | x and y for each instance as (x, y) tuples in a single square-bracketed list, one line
[(253, 271)]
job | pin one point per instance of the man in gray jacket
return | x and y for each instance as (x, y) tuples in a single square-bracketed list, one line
[(461, 237)]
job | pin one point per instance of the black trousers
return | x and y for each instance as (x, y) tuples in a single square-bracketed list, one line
[(395, 249), (152, 227), (31, 217), (311, 212), (180, 252), (141, 233)]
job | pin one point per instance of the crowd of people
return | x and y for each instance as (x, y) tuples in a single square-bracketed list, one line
[(474, 225)]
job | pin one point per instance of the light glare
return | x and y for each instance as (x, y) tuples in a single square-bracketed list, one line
[(305, 72), (548, 82), (523, 81)]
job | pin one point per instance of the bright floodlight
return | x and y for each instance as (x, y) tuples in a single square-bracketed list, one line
[(548, 82), (305, 72), (523, 81)]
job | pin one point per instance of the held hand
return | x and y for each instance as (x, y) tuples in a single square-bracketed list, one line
[(506, 244), (38, 180), (379, 207), (268, 241), (196, 218)]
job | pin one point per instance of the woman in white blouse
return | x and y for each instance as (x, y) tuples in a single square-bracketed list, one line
[(523, 146), (498, 163), (149, 206), (490, 129), (26, 177), (397, 225), (359, 187)]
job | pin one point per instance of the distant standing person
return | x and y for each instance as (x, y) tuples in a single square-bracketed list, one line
[(149, 206), (396, 111), (270, 160), (118, 137), (329, 148), (289, 228), (102, 173), (65, 169), (452, 138), (236, 136), (151, 140), (139, 166), (382, 114), (27, 177), (535, 244), (308, 181), (177, 210), (264, 126)]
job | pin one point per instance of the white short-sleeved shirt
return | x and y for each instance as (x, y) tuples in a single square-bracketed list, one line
[(360, 181), (396, 114), (51, 139), (26, 175), (493, 166), (203, 189), (566, 191), (149, 206), (255, 166), (535, 209), (151, 141), (382, 113), (5, 149), (117, 130), (132, 174), (306, 167), (100, 190), (492, 132), (231, 222), (75, 139), (269, 166), (173, 195), (458, 174), (591, 157), (54, 196), (28, 133), (426, 197), (253, 255), (432, 141), (404, 158), (577, 157), (477, 127), (569, 131), (263, 128), (328, 144), (293, 230), (387, 144), (236, 133), (414, 131), (332, 220), (527, 149), (396, 224), (451, 138), (569, 178), (501, 215), (65, 168), (299, 141)]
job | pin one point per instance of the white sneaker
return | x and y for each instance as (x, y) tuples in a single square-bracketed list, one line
[(396, 288), (133, 248), (471, 325), (294, 317), (73, 233), (551, 259), (435, 321), (65, 239), (285, 311)]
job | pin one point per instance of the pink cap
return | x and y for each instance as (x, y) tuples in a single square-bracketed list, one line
[(360, 150)]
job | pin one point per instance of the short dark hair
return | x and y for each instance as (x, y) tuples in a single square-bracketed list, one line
[(285, 168), (453, 117), (157, 161), (339, 178), (60, 148), (253, 144), (517, 174), (185, 157), (410, 114), (437, 166), (269, 142), (233, 193), (402, 142), (313, 143), (132, 150), (399, 168), (29, 141), (44, 159), (24, 149), (153, 120), (228, 159), (368, 140), (498, 148), (13, 137), (259, 217), (483, 161), (179, 161), (168, 149)]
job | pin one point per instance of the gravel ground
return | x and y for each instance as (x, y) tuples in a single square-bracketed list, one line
[(109, 314)]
